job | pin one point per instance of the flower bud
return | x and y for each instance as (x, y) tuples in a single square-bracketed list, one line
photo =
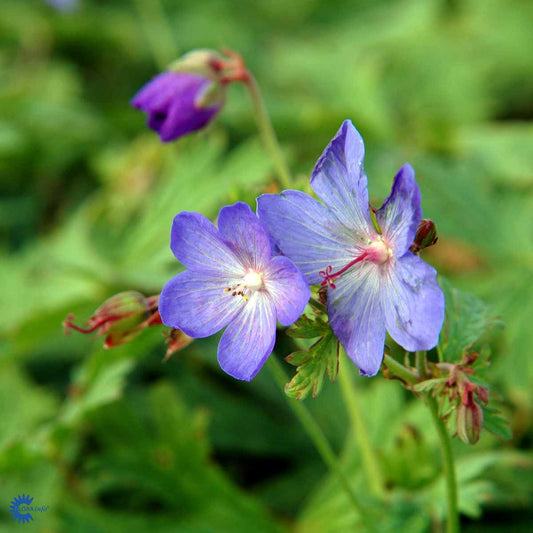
[(120, 318), (469, 422), (202, 62), (426, 235), (185, 98)]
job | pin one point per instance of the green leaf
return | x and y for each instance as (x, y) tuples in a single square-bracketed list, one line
[(153, 448), (466, 319), (313, 364), (429, 384), (308, 328), (495, 422)]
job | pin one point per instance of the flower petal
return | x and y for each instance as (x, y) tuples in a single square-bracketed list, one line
[(183, 117), (249, 339), (169, 99), (196, 243), (246, 234), (288, 288), (306, 232), (400, 214), (413, 304), (155, 88), (356, 317), (195, 302), (340, 181)]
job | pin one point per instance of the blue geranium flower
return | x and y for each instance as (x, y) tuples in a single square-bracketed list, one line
[(374, 283), (232, 280)]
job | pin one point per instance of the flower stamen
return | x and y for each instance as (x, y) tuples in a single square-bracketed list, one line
[(251, 283)]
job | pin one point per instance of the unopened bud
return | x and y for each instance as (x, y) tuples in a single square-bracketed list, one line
[(469, 422), (426, 235), (120, 318), (193, 89)]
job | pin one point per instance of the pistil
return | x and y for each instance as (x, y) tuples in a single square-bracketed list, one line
[(377, 252)]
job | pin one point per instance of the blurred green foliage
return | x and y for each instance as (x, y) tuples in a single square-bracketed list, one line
[(114, 440)]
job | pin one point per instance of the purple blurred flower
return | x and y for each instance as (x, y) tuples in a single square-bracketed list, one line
[(178, 103), (232, 280), (63, 5), (374, 282)]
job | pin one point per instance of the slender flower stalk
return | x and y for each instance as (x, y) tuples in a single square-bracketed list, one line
[(268, 135), (447, 455), (420, 362), (369, 460), (400, 370), (449, 468), (322, 446), (237, 71)]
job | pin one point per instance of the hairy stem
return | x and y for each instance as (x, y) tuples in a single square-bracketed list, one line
[(369, 460), (267, 133), (421, 366), (322, 445), (447, 455), (400, 370)]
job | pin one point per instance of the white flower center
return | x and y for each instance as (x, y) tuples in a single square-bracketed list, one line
[(253, 281), (378, 252)]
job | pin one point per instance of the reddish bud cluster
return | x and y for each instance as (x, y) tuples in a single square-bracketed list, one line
[(466, 395), (452, 385), (231, 68), (120, 318), (123, 317)]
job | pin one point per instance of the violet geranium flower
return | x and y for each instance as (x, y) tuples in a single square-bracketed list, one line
[(232, 280), (178, 103), (374, 283)]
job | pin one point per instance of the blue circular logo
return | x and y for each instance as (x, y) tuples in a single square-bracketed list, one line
[(19, 508)]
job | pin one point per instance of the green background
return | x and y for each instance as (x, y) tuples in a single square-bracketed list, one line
[(117, 441)]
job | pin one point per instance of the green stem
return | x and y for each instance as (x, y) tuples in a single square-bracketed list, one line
[(157, 30), (420, 362), (318, 305), (449, 469), (401, 371), (321, 444), (447, 455), (268, 135), (371, 466)]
